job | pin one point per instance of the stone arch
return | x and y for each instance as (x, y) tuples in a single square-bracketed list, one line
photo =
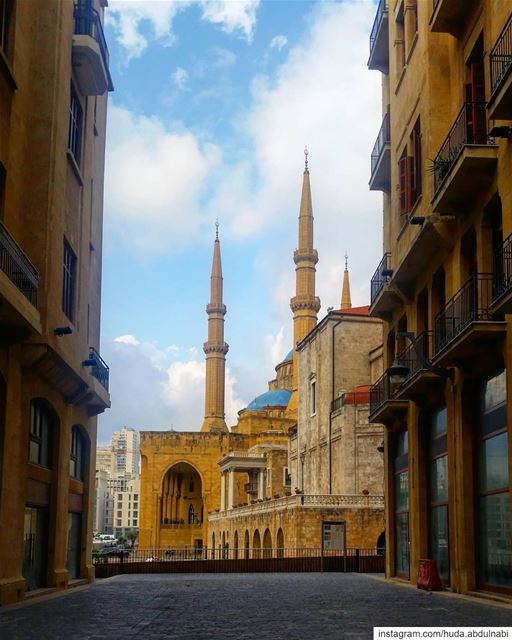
[(256, 544), (267, 544), (181, 495), (280, 543), (235, 545), (247, 545)]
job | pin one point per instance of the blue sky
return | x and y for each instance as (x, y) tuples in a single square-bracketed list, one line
[(214, 102)]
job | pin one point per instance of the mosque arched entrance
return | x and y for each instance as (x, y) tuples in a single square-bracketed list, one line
[(181, 507)]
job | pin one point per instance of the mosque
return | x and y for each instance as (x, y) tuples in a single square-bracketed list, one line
[(300, 454)]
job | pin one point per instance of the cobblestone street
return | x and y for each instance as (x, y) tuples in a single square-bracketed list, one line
[(310, 606)]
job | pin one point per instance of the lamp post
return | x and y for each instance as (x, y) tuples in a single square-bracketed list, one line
[(398, 370), (302, 459)]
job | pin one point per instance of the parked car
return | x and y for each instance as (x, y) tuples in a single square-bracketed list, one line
[(114, 552)]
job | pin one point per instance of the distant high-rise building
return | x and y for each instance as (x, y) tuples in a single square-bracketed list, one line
[(126, 451)]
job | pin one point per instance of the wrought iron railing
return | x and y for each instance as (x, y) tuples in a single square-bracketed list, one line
[(500, 58), (503, 269), (88, 23), (99, 369), (383, 139), (336, 404), (471, 303), (380, 392), (470, 127), (382, 10), (380, 277), (411, 356), (17, 267)]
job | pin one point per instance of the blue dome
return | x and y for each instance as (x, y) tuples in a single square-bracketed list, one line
[(276, 398), (289, 356)]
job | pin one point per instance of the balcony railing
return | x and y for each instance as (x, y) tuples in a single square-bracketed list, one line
[(501, 57), (410, 357), (380, 392), (99, 369), (503, 269), (88, 23), (383, 139), (380, 277), (470, 127), (471, 303), (382, 10), (17, 267)]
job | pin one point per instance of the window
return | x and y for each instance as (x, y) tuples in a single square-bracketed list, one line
[(75, 126), (135, 514), (135, 523), (409, 169), (135, 496), (401, 467), (287, 477), (41, 434), (312, 395), (399, 41), (69, 281), (77, 457), (118, 523), (6, 7)]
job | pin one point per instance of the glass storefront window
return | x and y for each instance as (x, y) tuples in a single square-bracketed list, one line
[(439, 479), (493, 463)]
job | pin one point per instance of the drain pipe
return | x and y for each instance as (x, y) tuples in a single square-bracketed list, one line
[(333, 371)]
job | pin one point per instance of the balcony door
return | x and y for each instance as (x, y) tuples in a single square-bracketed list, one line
[(476, 114)]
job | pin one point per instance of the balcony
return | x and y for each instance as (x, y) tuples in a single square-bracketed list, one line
[(18, 289), (90, 53), (380, 179), (502, 285), (467, 324), (99, 368), (418, 380), (383, 404), (465, 165), (379, 40), (251, 488), (448, 16), (499, 106), (383, 298)]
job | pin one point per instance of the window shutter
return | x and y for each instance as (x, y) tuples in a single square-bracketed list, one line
[(411, 184), (402, 168)]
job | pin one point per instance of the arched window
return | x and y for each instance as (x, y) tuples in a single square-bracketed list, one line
[(42, 422), (77, 455), (191, 514)]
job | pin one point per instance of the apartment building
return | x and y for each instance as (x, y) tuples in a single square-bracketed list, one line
[(126, 451), (443, 161), (54, 82)]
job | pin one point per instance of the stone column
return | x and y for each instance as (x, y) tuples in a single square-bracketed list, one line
[(222, 491), (231, 488), (261, 484)]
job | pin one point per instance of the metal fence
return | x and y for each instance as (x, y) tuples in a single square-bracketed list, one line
[(242, 560), (382, 10), (17, 267), (380, 277), (383, 138), (500, 58)]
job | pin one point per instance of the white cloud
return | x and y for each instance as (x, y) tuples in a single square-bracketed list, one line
[(180, 77), (223, 58), (137, 22), (154, 180), (127, 339), (278, 42)]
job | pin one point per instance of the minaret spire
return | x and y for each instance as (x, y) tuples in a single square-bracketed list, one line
[(305, 304), (215, 348), (346, 302)]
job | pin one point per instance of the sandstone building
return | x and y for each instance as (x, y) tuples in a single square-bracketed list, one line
[(238, 489), (54, 80), (443, 288)]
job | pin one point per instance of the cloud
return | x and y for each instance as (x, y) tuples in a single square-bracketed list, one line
[(171, 163), (138, 22), (171, 381), (180, 77), (223, 58), (278, 42)]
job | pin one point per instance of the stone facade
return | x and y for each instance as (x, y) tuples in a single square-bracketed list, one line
[(52, 385), (443, 288)]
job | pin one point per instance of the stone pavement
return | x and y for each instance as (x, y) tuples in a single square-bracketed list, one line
[(257, 606)]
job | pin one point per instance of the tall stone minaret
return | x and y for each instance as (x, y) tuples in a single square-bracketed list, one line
[(305, 305), (215, 349), (346, 302)]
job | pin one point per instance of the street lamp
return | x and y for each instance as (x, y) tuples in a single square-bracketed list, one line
[(398, 371), (302, 459)]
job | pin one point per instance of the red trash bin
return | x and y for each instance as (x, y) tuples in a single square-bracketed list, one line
[(428, 576)]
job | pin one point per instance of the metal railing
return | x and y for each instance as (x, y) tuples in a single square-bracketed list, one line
[(500, 58), (17, 267), (353, 397), (383, 138), (380, 392), (380, 277), (242, 559), (502, 269), (88, 23), (410, 357), (100, 369), (471, 303), (301, 500), (382, 10), (470, 127)]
